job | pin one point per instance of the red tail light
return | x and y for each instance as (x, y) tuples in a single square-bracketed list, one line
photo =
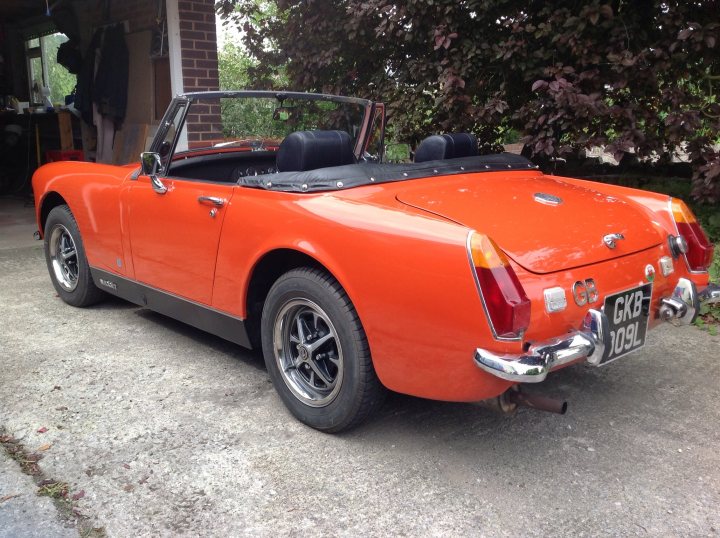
[(506, 304), (700, 251)]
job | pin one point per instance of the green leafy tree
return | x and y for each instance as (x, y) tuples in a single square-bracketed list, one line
[(60, 80), (638, 77), (233, 66)]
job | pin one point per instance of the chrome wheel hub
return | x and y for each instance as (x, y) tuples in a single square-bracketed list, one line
[(308, 352), (63, 257)]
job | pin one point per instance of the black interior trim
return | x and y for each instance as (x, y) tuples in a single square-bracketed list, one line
[(222, 167), (200, 316)]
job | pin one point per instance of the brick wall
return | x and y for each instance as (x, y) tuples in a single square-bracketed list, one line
[(199, 45), (198, 42)]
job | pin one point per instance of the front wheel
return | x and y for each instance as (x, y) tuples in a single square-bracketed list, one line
[(66, 261), (317, 353)]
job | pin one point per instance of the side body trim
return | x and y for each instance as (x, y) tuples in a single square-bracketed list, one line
[(199, 316)]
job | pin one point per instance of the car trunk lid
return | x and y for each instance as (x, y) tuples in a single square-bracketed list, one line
[(542, 223)]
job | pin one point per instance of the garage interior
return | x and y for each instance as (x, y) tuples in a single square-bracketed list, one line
[(90, 80)]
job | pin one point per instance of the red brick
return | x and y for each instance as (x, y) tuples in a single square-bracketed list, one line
[(207, 64), (195, 73), (205, 45), (207, 81), (189, 16), (204, 27), (193, 35), (191, 53)]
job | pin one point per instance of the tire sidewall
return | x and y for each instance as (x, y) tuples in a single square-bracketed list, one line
[(342, 409), (61, 215)]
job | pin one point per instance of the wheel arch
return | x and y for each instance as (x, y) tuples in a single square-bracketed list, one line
[(267, 269), (50, 201)]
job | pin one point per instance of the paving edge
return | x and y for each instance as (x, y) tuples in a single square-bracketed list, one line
[(63, 499)]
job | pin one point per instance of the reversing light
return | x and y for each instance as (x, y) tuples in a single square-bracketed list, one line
[(699, 250), (678, 245), (505, 301)]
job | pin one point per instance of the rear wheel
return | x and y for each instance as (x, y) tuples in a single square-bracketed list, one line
[(317, 353), (66, 261)]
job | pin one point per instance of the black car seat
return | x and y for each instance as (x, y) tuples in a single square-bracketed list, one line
[(446, 146), (309, 150)]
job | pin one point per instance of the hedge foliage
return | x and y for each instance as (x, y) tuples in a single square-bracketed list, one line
[(640, 77)]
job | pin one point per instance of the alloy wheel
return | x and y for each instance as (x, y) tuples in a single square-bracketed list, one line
[(63, 257), (308, 352)]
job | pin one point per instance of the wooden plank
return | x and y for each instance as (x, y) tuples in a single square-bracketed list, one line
[(129, 142), (66, 132)]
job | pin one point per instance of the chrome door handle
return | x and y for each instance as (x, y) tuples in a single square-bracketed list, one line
[(211, 200)]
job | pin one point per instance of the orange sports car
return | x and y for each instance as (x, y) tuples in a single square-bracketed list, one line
[(271, 220)]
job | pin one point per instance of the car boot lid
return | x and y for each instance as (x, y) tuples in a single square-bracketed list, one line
[(544, 224)]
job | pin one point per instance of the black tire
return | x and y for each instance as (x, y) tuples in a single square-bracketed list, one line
[(333, 387), (70, 276)]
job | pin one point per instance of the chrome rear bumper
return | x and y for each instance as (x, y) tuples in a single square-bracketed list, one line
[(589, 342), (710, 295)]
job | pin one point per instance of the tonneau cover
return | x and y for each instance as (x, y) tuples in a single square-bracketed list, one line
[(355, 175)]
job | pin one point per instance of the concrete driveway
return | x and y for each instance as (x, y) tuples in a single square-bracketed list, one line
[(167, 431)]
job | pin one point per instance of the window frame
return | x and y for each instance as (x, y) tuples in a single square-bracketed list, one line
[(32, 53)]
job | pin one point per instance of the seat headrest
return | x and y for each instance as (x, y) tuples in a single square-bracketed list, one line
[(308, 150), (446, 146)]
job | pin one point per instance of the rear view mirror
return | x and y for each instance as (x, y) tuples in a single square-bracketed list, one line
[(285, 113)]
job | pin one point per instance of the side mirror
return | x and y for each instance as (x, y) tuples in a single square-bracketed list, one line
[(151, 166)]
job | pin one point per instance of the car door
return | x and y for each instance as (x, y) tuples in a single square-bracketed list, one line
[(174, 236)]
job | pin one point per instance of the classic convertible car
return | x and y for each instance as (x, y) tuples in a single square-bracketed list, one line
[(271, 220)]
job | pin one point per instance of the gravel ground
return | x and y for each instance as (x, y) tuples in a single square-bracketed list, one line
[(169, 431)]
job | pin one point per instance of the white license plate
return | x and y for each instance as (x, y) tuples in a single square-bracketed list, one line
[(628, 313)]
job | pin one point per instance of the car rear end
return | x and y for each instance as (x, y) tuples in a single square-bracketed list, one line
[(596, 313), (568, 270)]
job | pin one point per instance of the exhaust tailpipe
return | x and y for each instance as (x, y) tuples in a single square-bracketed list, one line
[(541, 403), (510, 400)]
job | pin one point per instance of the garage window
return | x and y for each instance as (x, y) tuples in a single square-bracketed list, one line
[(45, 72)]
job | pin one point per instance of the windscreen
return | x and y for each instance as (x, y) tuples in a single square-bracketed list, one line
[(263, 122)]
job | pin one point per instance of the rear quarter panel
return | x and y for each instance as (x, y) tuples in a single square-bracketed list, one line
[(407, 274)]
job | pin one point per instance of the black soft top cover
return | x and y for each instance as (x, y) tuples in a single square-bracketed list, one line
[(355, 175)]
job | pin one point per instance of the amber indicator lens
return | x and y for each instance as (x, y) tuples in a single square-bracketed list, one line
[(507, 304), (699, 249)]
